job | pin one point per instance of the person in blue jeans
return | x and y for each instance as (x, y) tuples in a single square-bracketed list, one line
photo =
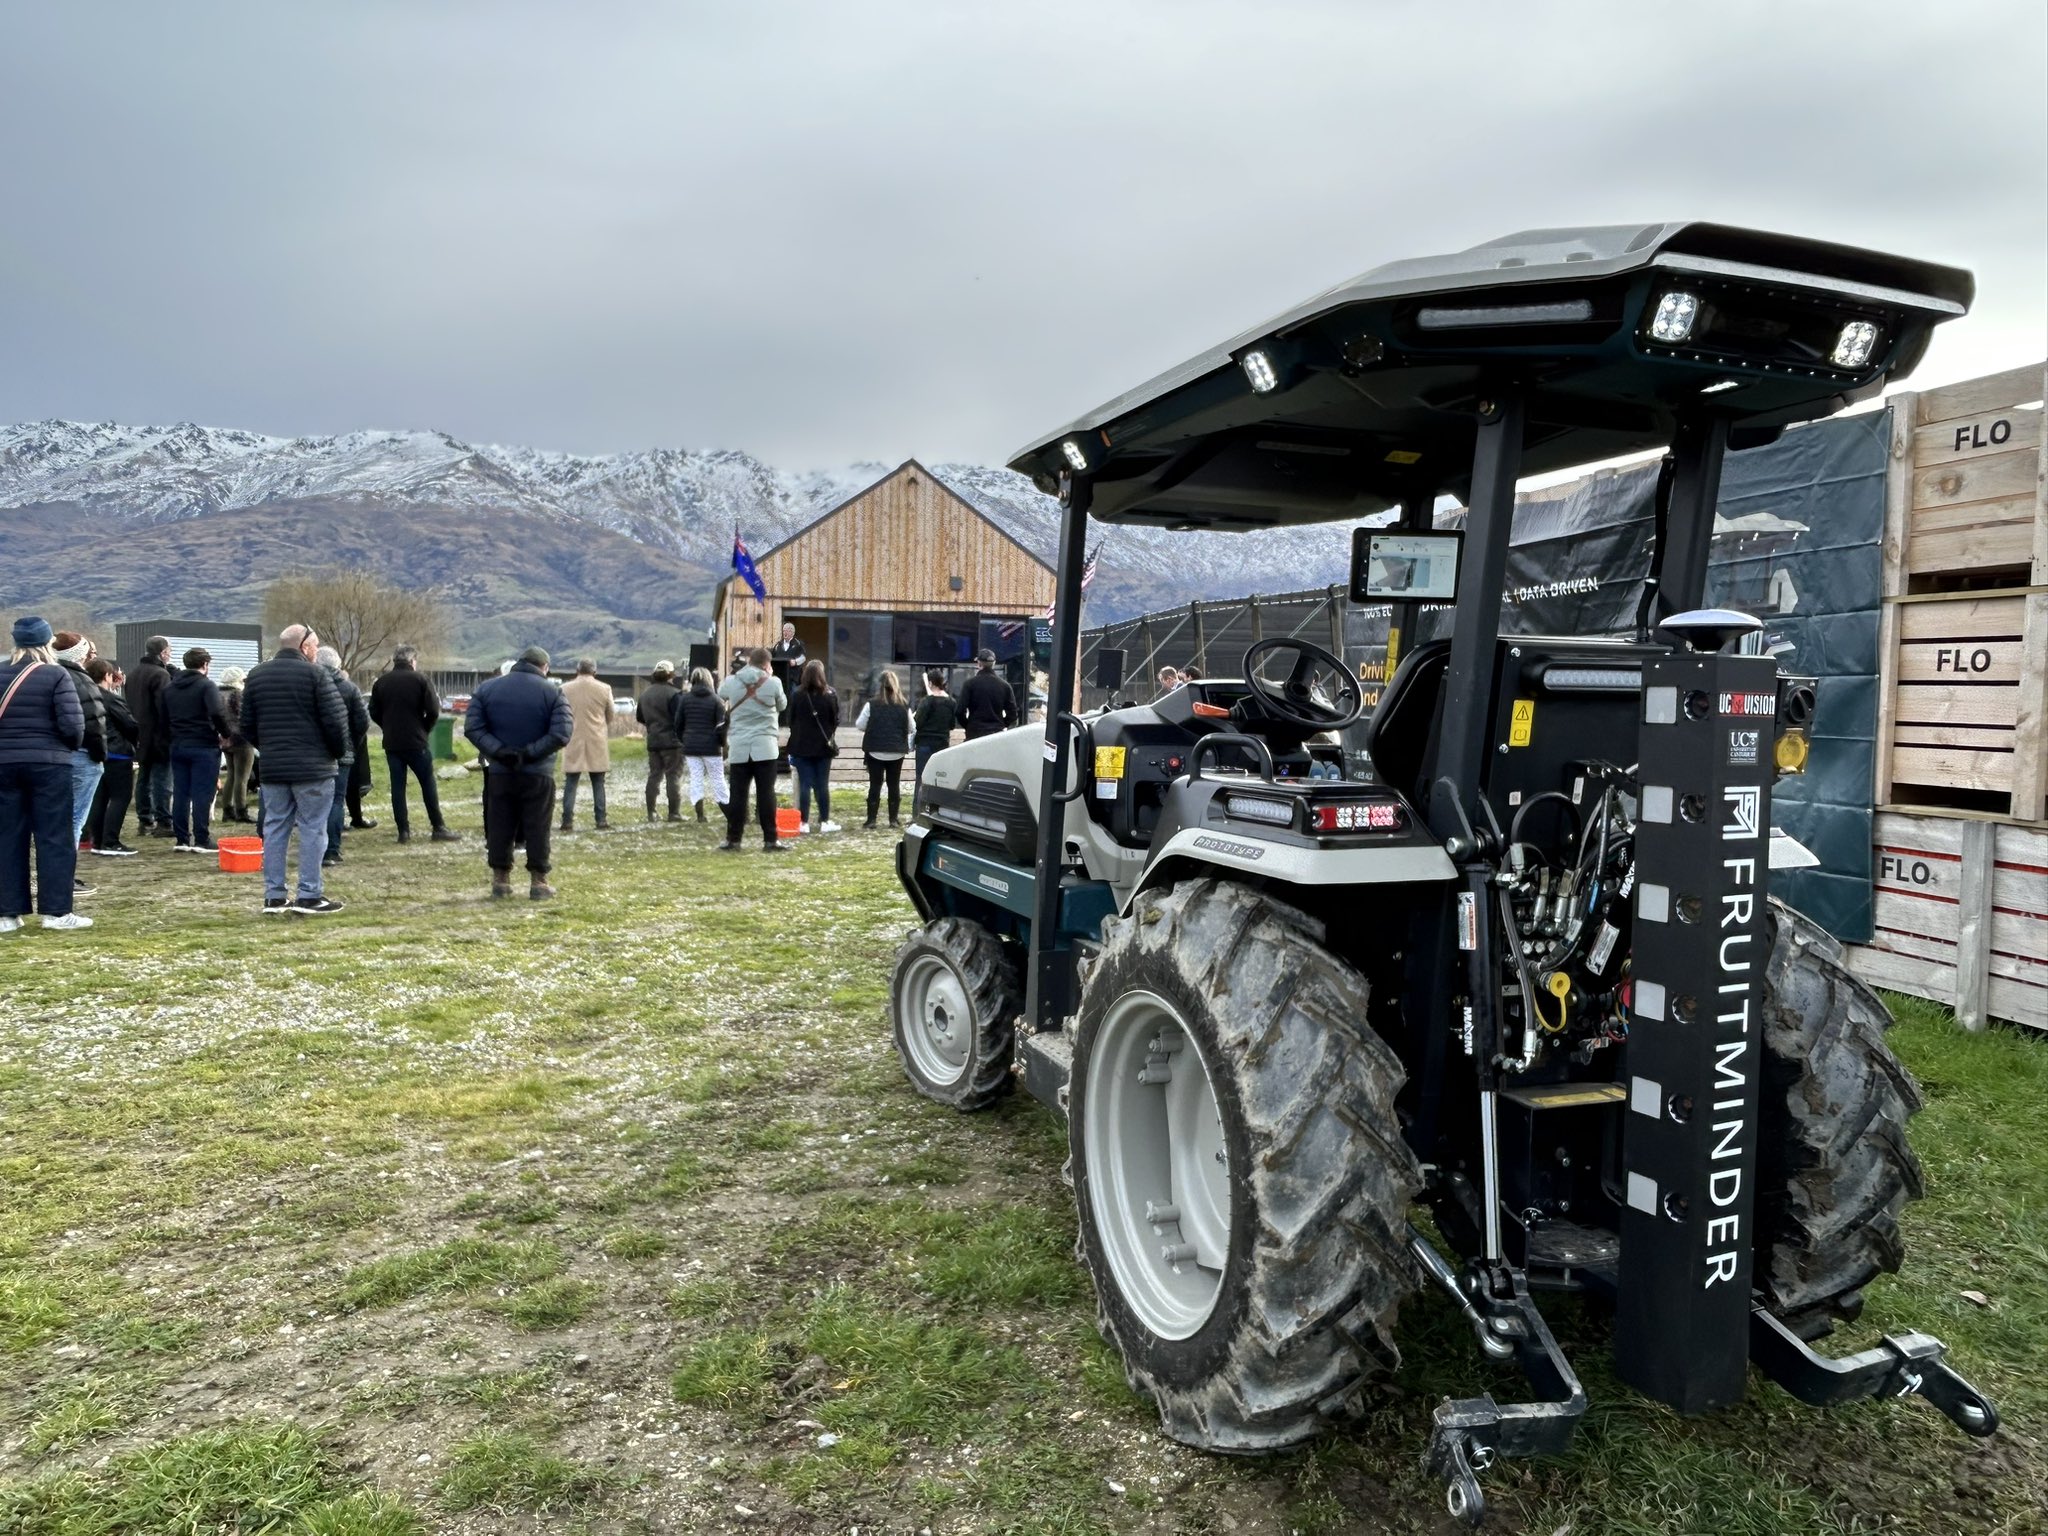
[(813, 743), (328, 659), (72, 651), (293, 716), (194, 720), (41, 725)]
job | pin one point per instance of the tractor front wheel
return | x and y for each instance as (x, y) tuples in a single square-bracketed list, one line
[(953, 1005), (1834, 1167), (1242, 1181)]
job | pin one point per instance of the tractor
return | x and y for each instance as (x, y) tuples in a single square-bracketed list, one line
[(1513, 1009)]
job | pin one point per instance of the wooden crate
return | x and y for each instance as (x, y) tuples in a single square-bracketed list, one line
[(1962, 916), (1963, 713)]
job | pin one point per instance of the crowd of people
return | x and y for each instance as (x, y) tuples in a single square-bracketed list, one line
[(82, 742)]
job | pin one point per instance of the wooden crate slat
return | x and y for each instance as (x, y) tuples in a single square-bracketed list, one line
[(1974, 397), (1976, 618), (2020, 847), (1953, 704), (1992, 431), (2021, 1003), (1906, 832), (1920, 917), (1954, 768), (1976, 547), (1991, 478), (1919, 946), (1981, 738), (1904, 973), (1960, 661)]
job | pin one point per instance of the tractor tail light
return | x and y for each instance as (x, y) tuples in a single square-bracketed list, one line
[(1357, 816)]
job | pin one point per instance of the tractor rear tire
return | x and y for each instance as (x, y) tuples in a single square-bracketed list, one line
[(954, 998), (1834, 1168), (1257, 1330)]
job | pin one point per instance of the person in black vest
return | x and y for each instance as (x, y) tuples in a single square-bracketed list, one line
[(406, 706), (293, 716), (518, 723), (195, 721), (936, 716), (884, 724), (987, 703), (153, 751), (699, 718), (655, 710)]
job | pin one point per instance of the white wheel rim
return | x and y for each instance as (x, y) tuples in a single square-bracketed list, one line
[(1158, 1175), (935, 1020)]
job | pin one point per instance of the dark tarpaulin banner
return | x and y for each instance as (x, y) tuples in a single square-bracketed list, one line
[(1797, 542)]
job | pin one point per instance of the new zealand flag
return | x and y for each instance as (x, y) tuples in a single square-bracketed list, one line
[(743, 564)]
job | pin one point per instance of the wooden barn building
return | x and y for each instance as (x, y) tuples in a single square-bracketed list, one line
[(905, 574)]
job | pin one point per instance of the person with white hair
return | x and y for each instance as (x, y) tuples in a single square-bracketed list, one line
[(328, 659), (293, 715)]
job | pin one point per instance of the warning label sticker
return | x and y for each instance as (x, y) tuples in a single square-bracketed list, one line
[(1522, 723), (1109, 762)]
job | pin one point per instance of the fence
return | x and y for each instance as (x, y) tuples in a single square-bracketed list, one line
[(1212, 636)]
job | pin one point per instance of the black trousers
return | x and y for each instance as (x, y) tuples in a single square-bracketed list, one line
[(35, 811), (518, 805), (665, 766), (881, 771), (110, 802), (420, 763), (761, 775)]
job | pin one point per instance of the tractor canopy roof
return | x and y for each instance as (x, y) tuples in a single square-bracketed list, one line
[(1366, 395)]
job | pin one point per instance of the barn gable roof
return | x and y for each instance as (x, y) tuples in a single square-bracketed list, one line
[(908, 464)]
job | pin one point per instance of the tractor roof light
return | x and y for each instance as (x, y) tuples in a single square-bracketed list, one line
[(1854, 346), (1076, 455), (1673, 321), (1259, 372)]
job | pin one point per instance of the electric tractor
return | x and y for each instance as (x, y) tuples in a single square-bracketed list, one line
[(1511, 1011)]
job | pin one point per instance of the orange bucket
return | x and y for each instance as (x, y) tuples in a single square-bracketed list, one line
[(787, 822), (241, 855)]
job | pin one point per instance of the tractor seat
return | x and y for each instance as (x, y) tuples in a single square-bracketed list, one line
[(1402, 731)]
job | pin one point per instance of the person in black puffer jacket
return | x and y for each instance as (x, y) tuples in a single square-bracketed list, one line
[(72, 651), (885, 741), (293, 716), (146, 680), (117, 784), (41, 725), (195, 722), (699, 718), (519, 722), (406, 707), (813, 742), (656, 710)]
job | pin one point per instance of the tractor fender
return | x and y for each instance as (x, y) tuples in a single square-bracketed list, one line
[(1193, 850)]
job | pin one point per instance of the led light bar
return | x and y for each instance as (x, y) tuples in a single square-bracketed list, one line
[(1563, 312), (1854, 346), (1676, 311), (1593, 679), (1357, 816), (1075, 455), (1260, 372), (1274, 813)]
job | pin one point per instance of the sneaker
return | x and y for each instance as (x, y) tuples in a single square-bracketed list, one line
[(830, 826), (115, 851), (206, 847), (728, 847), (365, 824), (273, 905), (80, 888), (10, 925), (316, 906), (445, 835), (68, 920), (329, 860), (775, 847)]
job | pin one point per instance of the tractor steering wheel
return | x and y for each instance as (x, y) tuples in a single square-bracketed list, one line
[(1320, 693)]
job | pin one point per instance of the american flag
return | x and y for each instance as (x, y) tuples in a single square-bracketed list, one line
[(1087, 577)]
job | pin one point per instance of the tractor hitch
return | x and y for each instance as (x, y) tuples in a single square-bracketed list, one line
[(1467, 1433), (1903, 1365)]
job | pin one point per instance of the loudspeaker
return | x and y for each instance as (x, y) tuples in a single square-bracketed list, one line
[(705, 656), (1109, 668)]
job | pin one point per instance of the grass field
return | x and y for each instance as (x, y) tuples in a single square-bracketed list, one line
[(615, 1214)]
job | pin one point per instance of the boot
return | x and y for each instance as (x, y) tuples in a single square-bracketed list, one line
[(501, 884), (700, 808), (540, 890)]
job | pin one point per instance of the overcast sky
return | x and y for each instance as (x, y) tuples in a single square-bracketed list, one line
[(868, 230)]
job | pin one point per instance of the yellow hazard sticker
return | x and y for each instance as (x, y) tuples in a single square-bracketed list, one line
[(1523, 722), (1404, 456), (1109, 762)]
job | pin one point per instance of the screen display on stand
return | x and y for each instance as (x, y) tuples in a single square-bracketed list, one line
[(1393, 567)]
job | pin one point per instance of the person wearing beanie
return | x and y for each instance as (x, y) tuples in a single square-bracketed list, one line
[(240, 757), (405, 705), (41, 727), (146, 680), (72, 651), (656, 711), (517, 723)]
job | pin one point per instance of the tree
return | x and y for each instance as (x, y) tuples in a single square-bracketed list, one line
[(361, 617)]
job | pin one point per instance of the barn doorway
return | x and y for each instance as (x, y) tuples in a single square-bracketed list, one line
[(815, 630)]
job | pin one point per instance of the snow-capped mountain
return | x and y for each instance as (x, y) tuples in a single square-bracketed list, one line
[(681, 501)]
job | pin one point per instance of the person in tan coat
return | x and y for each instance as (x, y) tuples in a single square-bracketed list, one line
[(590, 749)]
